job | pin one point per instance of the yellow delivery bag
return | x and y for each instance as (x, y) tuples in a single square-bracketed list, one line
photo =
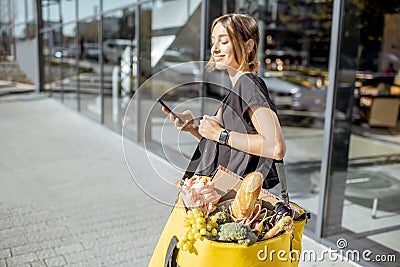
[(279, 251)]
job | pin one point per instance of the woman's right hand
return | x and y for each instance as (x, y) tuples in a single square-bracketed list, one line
[(190, 124)]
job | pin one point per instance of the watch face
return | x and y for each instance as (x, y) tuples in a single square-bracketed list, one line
[(223, 137)]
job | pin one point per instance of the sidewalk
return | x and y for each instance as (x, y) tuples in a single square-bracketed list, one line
[(66, 195)]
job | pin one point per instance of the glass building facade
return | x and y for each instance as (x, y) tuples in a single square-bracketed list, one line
[(332, 68)]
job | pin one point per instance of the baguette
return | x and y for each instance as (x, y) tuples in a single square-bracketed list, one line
[(246, 197)]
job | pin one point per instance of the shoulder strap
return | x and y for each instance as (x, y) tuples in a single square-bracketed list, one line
[(280, 169), (193, 164), (172, 253), (203, 159)]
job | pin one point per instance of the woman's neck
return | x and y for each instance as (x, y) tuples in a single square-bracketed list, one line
[(234, 75)]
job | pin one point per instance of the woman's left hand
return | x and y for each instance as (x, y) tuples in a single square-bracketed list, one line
[(210, 128)]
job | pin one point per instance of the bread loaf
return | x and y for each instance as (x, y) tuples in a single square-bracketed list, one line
[(246, 197)]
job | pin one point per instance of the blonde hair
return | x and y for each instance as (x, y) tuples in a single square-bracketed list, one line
[(240, 28)]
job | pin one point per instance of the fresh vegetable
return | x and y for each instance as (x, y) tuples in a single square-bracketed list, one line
[(220, 208), (261, 226), (282, 210), (236, 232), (222, 217), (265, 228), (285, 223)]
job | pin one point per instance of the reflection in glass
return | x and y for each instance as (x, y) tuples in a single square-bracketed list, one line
[(68, 55), (18, 9), (68, 10), (88, 8), (52, 51), (31, 9), (4, 13), (20, 31), (165, 13), (46, 59), (112, 4), (119, 54), (169, 36), (47, 75), (89, 69), (5, 43), (51, 11)]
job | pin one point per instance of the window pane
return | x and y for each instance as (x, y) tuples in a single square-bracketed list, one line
[(31, 9), (18, 9), (47, 72), (364, 182), (88, 8), (68, 10), (5, 43), (20, 32), (112, 4), (51, 12), (89, 77), (169, 36), (4, 12), (69, 69), (52, 49), (119, 54)]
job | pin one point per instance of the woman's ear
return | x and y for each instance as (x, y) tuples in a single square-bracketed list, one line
[(249, 45)]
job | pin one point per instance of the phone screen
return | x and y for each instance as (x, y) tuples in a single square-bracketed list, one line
[(170, 110)]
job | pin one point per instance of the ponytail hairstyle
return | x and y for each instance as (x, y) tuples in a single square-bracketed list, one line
[(241, 28)]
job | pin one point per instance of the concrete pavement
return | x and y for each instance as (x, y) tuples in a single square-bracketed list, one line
[(66, 196)]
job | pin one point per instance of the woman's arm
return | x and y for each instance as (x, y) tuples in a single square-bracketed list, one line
[(268, 142)]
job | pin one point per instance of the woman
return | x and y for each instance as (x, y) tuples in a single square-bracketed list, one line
[(245, 134)]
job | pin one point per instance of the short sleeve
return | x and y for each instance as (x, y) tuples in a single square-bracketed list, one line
[(253, 92)]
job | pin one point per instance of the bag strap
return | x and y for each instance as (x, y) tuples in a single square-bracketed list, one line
[(172, 253), (195, 160), (280, 169)]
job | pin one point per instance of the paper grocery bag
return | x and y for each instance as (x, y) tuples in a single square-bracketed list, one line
[(226, 183)]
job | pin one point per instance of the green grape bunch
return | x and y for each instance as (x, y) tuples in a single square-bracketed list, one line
[(197, 225)]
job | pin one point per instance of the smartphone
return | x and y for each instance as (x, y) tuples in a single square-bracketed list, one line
[(169, 110)]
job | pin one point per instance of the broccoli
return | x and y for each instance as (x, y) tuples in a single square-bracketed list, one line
[(220, 208), (221, 213), (237, 232), (222, 217)]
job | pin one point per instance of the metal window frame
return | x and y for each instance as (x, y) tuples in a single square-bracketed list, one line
[(39, 37), (326, 164)]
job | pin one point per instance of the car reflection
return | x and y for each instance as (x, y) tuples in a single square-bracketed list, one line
[(289, 95), (92, 51)]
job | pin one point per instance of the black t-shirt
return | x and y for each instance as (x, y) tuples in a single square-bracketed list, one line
[(249, 90)]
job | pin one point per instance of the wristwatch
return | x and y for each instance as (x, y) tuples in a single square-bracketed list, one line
[(223, 137)]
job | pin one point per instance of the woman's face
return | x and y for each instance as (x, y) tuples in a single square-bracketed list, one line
[(222, 49)]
